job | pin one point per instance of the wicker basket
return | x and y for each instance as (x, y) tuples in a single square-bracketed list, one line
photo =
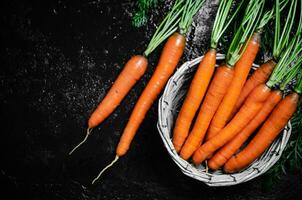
[(168, 107)]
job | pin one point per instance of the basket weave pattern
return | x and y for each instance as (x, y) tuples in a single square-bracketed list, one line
[(168, 107)]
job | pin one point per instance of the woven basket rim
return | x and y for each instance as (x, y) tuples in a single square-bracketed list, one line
[(217, 178)]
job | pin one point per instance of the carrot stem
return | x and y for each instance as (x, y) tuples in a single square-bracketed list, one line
[(252, 16), (288, 56), (281, 40), (220, 24), (270, 14), (292, 73), (166, 27), (191, 8)]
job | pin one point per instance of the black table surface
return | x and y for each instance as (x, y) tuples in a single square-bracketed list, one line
[(58, 59)]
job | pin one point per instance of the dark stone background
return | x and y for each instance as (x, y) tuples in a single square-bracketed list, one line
[(58, 58)]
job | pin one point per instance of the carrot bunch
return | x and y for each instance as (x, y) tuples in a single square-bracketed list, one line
[(273, 97), (235, 105), (240, 86), (281, 113), (281, 72), (272, 117), (231, 105)]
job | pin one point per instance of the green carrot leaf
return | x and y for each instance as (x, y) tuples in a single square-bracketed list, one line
[(144, 7), (251, 19)]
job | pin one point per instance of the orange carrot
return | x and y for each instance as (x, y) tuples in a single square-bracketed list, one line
[(231, 147), (266, 135), (258, 77), (219, 85), (194, 97), (250, 108), (242, 68), (169, 59)]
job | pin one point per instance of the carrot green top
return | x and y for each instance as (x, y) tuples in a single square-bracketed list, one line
[(220, 24), (190, 9), (141, 15), (270, 14), (252, 16), (291, 73), (281, 40), (166, 27), (289, 61), (180, 17)]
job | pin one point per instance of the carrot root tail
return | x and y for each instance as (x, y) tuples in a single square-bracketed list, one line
[(83, 141), (103, 170)]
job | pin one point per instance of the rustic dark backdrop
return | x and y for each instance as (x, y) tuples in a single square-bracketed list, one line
[(58, 59)]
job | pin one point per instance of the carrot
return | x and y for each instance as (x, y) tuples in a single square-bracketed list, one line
[(247, 112), (242, 68), (132, 72), (259, 76), (221, 81), (202, 76), (170, 57), (266, 135), (194, 97), (232, 146)]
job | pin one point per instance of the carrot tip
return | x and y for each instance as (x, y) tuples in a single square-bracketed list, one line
[(87, 134), (103, 170)]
